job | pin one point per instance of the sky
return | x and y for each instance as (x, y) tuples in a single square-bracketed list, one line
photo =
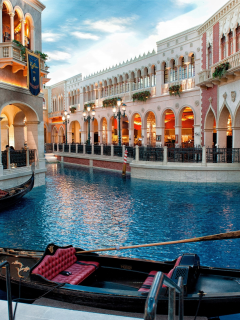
[(86, 36)]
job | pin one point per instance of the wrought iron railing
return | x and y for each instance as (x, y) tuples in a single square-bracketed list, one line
[(80, 148), (66, 147), (19, 158), (31, 156), (4, 159), (60, 147), (89, 149), (150, 154), (131, 152), (73, 148), (223, 155), (185, 155), (48, 147), (107, 150), (117, 151), (97, 150)]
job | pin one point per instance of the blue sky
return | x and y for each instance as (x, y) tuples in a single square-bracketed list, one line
[(85, 36)]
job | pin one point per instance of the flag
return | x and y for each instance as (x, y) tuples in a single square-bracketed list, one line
[(34, 72)]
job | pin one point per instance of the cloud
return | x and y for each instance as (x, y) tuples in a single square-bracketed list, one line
[(111, 25), (58, 56), (83, 35), (50, 36)]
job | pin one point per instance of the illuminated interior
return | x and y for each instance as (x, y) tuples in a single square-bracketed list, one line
[(27, 34), (114, 131), (229, 126), (187, 128), (125, 131), (169, 134), (6, 24), (151, 129), (104, 131), (137, 130), (17, 27)]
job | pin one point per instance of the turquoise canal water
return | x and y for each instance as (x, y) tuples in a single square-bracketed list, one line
[(97, 209)]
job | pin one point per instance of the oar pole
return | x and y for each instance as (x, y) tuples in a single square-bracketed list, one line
[(214, 237)]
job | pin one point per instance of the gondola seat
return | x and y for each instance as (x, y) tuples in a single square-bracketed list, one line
[(52, 267), (148, 282), (3, 194)]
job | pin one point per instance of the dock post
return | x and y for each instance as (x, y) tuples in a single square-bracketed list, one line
[(137, 153), (165, 155), (204, 162)]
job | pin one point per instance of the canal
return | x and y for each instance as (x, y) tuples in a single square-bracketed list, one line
[(91, 208)]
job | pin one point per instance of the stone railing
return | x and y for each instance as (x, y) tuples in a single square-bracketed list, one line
[(10, 51), (234, 61), (186, 85), (205, 75), (55, 114)]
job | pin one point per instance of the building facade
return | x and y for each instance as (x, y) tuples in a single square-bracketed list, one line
[(21, 114), (205, 112)]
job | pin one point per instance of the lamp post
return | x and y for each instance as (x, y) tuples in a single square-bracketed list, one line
[(118, 114), (88, 116), (65, 119)]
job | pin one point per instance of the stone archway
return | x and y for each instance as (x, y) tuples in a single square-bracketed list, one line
[(61, 135), (104, 130), (150, 120), (125, 131), (54, 135), (136, 130), (74, 132), (224, 129), (168, 119), (186, 128), (210, 133)]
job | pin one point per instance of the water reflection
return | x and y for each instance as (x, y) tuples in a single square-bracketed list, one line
[(91, 209)]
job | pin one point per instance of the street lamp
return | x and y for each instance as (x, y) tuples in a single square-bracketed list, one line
[(118, 114), (65, 119), (88, 116)]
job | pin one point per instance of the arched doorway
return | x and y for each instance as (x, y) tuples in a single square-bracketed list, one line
[(137, 125), (151, 129), (169, 128), (125, 131), (95, 132), (54, 135), (4, 132), (187, 121), (75, 134), (61, 135), (210, 132), (114, 128), (224, 130), (104, 131)]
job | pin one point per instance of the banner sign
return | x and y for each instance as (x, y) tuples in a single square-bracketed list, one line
[(34, 72)]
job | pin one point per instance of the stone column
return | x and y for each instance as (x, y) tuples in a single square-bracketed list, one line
[(150, 79), (1, 30), (234, 40), (144, 136), (19, 136), (11, 14), (165, 155), (197, 135), (236, 137), (32, 40), (178, 132), (109, 137), (159, 82), (35, 140), (23, 32), (222, 137), (137, 153), (131, 137), (208, 138), (160, 132)]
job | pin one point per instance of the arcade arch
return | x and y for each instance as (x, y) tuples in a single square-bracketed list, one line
[(210, 133), (186, 127), (75, 132), (168, 119), (224, 129)]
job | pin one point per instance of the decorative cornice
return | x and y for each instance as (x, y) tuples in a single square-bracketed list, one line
[(218, 15), (36, 4), (12, 87)]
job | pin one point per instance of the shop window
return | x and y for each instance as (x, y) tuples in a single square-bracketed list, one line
[(223, 47), (191, 72)]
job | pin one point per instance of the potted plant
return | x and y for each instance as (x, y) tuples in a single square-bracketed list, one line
[(110, 102), (221, 70), (175, 90), (73, 109), (141, 96)]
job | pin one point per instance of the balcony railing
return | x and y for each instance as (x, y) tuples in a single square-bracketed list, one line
[(186, 85), (234, 62), (55, 114)]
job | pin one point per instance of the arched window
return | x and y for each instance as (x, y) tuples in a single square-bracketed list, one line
[(209, 57), (230, 43), (165, 73), (154, 77), (238, 38), (6, 29), (191, 72), (173, 72), (183, 70), (223, 47)]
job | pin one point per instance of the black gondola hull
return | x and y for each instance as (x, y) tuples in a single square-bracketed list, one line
[(11, 200), (212, 304)]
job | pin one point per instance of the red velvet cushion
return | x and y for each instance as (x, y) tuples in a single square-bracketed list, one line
[(79, 273), (51, 266), (150, 278), (3, 194)]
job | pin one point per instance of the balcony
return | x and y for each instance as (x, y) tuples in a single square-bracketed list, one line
[(207, 81), (10, 55), (186, 84), (55, 114)]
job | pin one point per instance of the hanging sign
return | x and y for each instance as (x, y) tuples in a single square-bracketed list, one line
[(33, 80)]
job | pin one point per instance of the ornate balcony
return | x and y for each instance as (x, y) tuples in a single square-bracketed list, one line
[(207, 81), (186, 84), (55, 114), (10, 55)]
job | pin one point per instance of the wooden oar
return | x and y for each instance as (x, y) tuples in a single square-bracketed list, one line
[(220, 236)]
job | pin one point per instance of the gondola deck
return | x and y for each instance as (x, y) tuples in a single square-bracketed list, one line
[(115, 284)]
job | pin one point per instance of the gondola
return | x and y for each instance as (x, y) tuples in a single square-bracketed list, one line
[(118, 283), (11, 196)]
